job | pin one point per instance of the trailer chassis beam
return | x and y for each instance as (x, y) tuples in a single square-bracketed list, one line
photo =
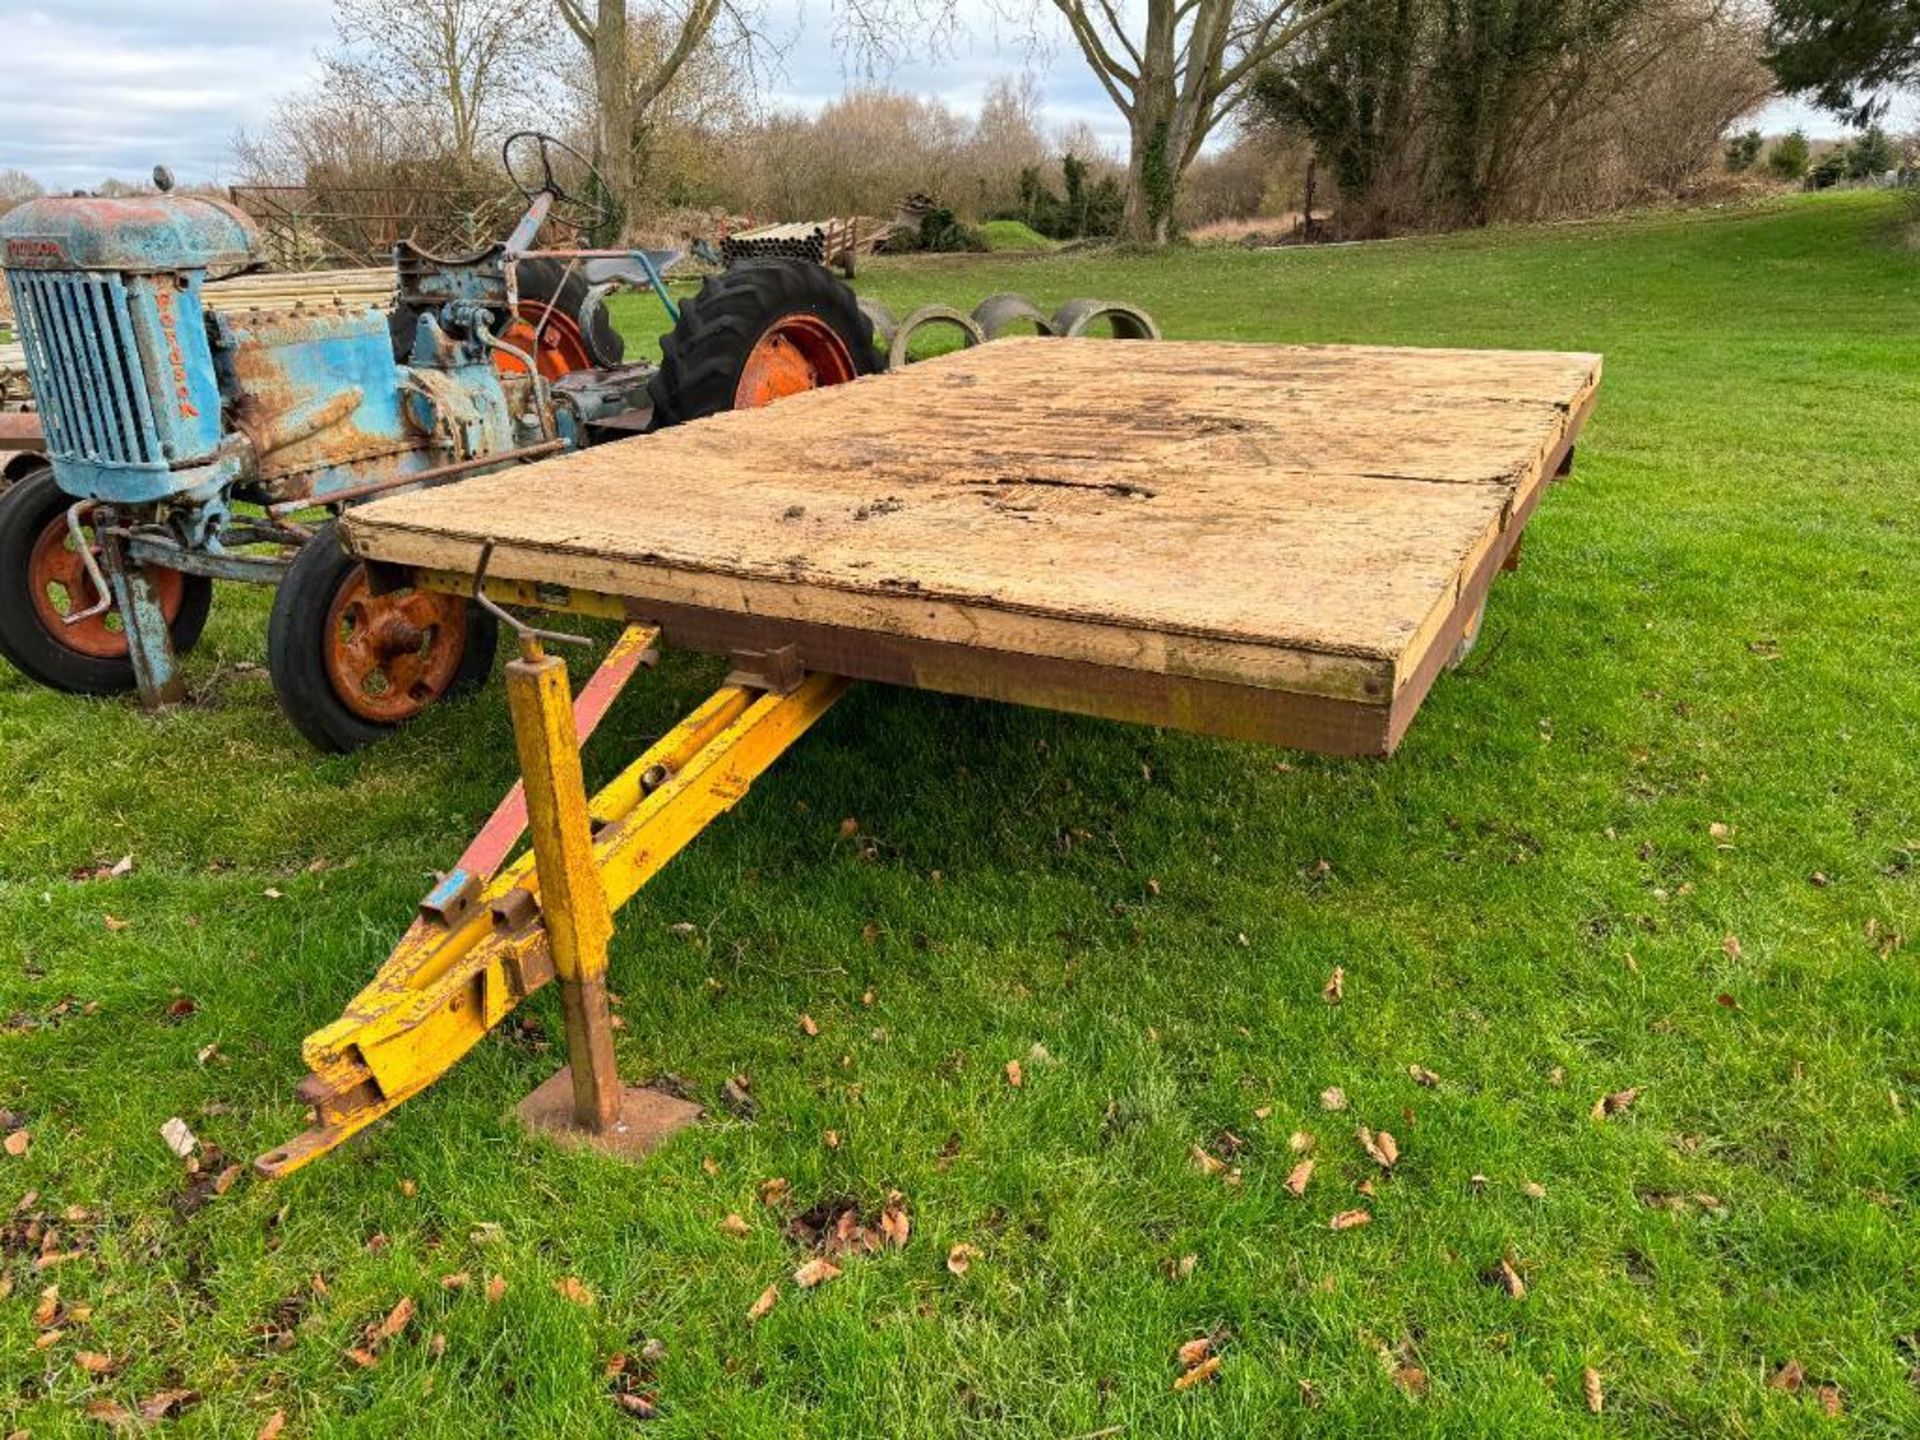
[(479, 947)]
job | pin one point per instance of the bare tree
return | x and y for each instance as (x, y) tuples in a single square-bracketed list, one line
[(1175, 69), (1189, 70), (622, 98), (16, 188), (447, 67)]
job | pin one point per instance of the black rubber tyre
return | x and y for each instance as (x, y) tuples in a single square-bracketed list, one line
[(27, 508), (702, 359), (541, 280), (298, 640)]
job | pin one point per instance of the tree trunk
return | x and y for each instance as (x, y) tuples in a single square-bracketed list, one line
[(613, 96)]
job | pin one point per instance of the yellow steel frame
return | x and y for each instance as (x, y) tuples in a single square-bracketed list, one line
[(460, 970)]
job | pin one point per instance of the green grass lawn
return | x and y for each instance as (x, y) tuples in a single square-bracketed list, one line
[(1660, 833)]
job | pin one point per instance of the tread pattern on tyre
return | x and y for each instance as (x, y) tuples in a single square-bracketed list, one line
[(27, 507), (702, 357)]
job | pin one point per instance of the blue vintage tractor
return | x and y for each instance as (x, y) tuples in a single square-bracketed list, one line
[(189, 444)]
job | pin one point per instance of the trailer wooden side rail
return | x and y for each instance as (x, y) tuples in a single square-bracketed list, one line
[(1285, 544)]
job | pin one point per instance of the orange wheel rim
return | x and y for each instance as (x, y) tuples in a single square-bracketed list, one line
[(391, 656), (795, 353), (555, 341), (60, 585)]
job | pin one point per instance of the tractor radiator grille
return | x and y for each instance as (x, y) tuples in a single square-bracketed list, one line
[(84, 363)]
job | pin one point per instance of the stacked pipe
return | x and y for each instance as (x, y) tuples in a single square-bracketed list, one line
[(777, 242)]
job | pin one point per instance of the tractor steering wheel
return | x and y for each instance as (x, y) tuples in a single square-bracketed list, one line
[(524, 147)]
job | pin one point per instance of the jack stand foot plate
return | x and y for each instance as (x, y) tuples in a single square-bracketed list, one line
[(648, 1118)]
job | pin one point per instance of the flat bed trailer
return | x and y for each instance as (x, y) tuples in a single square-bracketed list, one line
[(1282, 544)]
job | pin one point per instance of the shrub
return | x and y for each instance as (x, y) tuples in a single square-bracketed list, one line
[(1791, 157), (1743, 151)]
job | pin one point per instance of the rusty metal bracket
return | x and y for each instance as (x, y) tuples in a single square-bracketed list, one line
[(778, 672)]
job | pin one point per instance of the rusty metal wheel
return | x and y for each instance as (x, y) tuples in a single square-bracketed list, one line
[(797, 352), (44, 579), (392, 655), (351, 664)]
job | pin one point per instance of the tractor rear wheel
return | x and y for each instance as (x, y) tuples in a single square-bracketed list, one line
[(763, 331), (43, 579), (551, 324), (351, 666)]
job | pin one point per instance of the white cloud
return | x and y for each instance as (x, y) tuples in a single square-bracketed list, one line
[(100, 88)]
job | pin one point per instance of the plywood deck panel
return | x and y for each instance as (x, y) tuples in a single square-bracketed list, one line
[(1304, 522)]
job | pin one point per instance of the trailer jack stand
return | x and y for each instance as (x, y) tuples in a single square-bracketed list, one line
[(478, 947)]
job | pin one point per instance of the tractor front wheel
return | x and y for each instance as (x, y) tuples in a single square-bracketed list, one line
[(351, 665), (759, 333), (44, 579)]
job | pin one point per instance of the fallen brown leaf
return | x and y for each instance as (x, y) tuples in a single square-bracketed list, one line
[(1381, 1148), (1194, 1351), (16, 1143), (1300, 1142), (1420, 1075), (960, 1257), (1831, 1402), (179, 1138), (456, 1281), (115, 923), (168, 1403), (641, 1407), (47, 1339), (1333, 1098), (93, 1362), (894, 1221), (816, 1271), (735, 1226), (48, 1310), (1206, 1164), (1534, 1190), (1510, 1280), (1352, 1219), (1613, 1104), (1595, 1392), (1015, 1077), (496, 1289), (224, 1181), (775, 1191), (808, 1025), (272, 1426), (396, 1321), (1301, 1174), (769, 1297), (1198, 1375), (363, 1357), (1789, 1377), (110, 1413), (1335, 990), (570, 1289)]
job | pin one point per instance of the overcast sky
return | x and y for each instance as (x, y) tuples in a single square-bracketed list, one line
[(96, 88)]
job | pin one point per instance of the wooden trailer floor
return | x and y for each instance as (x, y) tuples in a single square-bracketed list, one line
[(1269, 542)]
